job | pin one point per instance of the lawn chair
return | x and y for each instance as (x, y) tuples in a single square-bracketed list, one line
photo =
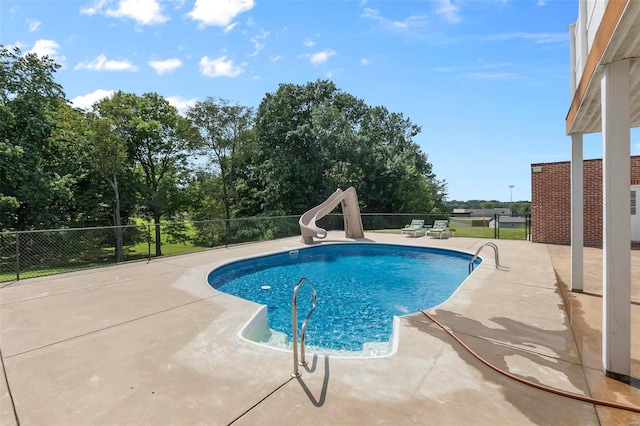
[(439, 228), (416, 229)]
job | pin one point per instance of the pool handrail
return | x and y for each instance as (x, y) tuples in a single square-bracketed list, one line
[(475, 256), (303, 329)]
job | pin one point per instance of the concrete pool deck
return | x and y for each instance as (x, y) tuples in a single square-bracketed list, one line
[(152, 343)]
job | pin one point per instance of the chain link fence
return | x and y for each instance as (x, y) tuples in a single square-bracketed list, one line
[(508, 227), (29, 254)]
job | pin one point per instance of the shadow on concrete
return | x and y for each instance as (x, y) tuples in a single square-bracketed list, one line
[(497, 346), (325, 382)]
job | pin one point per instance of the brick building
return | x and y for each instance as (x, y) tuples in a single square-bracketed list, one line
[(551, 201)]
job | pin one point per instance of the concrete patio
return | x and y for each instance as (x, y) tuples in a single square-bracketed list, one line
[(153, 343)]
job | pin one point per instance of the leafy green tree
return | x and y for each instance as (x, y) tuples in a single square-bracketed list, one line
[(36, 180), (105, 151), (289, 164), (399, 177), (68, 142), (311, 139), (224, 129), (204, 190), (158, 141)]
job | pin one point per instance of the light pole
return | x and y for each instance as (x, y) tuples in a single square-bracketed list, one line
[(511, 193)]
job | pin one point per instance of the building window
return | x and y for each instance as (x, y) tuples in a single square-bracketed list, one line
[(633, 203)]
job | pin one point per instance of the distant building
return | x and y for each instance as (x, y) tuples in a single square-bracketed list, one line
[(505, 222), (481, 212)]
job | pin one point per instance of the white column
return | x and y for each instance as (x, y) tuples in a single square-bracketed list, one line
[(572, 59), (583, 36), (616, 279), (577, 213)]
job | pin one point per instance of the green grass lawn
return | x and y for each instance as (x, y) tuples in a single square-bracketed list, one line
[(475, 232), (505, 234)]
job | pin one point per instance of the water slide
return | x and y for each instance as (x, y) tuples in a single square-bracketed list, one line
[(350, 210)]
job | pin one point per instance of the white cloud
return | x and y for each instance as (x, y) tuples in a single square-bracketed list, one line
[(33, 25), (494, 76), (181, 103), (17, 44), (365, 61), (250, 22), (541, 2), (219, 67), (44, 47), (409, 23), (309, 43), (48, 48), (94, 8), (163, 67), (178, 4), (144, 12), (101, 63), (321, 57), (219, 13), (448, 11), (275, 58), (229, 27), (447, 69), (538, 38), (258, 42), (87, 101)]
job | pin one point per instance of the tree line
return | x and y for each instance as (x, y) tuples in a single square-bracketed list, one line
[(135, 156), (518, 208)]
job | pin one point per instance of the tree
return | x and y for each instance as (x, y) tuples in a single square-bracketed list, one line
[(224, 128), (288, 164), (158, 141), (311, 139), (518, 208), (399, 177), (105, 151), (204, 190), (34, 193)]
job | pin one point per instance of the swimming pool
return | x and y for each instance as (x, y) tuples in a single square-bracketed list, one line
[(361, 287)]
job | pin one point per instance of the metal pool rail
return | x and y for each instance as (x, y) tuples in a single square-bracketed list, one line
[(303, 329), (475, 256)]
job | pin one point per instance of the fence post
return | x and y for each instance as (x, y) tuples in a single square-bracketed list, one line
[(148, 243), (496, 235), (17, 256)]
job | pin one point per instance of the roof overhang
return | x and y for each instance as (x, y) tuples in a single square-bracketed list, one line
[(617, 38)]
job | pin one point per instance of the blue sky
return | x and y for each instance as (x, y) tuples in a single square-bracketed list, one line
[(487, 80)]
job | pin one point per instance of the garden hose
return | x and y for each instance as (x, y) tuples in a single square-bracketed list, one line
[(535, 385)]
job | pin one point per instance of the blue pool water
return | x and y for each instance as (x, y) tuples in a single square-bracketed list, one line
[(360, 288)]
